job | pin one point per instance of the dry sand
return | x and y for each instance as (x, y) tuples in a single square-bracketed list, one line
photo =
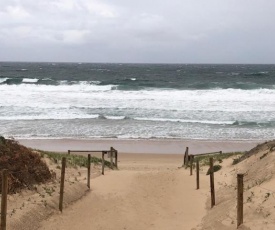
[(153, 191), (147, 192), (259, 193)]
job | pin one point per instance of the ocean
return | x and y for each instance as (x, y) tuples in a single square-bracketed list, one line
[(137, 101)]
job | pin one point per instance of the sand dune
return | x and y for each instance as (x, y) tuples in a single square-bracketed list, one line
[(259, 191)]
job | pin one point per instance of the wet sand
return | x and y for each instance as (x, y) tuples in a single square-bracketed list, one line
[(140, 146)]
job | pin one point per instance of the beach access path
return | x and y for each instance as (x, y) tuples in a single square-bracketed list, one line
[(149, 191)]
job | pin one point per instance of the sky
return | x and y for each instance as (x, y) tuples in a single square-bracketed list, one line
[(143, 31)]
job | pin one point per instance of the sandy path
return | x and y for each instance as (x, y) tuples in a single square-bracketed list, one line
[(139, 198)]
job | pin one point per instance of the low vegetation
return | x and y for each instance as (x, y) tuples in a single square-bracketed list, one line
[(266, 146), (215, 169), (25, 167), (218, 159), (72, 159)]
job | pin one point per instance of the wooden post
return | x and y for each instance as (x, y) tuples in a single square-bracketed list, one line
[(240, 199), (103, 163), (212, 188), (62, 184), (220, 152), (69, 152), (89, 170), (4, 199), (111, 159), (116, 158), (191, 164), (186, 156), (198, 173)]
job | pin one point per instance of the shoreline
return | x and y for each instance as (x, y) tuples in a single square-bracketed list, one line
[(142, 146)]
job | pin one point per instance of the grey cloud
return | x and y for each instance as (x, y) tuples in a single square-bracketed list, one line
[(137, 31)]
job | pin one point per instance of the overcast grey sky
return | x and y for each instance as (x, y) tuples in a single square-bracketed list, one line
[(154, 31)]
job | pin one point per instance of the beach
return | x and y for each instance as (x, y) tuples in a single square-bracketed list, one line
[(150, 191), (158, 146), (150, 113), (137, 115)]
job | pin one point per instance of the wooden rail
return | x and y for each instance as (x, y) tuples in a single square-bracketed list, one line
[(87, 151), (112, 153), (201, 154)]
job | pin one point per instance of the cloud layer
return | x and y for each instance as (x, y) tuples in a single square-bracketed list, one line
[(186, 31)]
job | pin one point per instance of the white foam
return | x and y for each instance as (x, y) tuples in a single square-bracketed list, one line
[(95, 82), (221, 105), (63, 82), (87, 82), (47, 79), (49, 116), (2, 80), (30, 80), (185, 121), (115, 117)]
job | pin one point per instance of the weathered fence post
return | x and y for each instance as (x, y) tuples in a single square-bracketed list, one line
[(191, 164), (186, 158), (116, 158), (62, 184), (103, 162), (239, 199), (198, 173), (212, 182), (4, 199), (69, 152), (111, 159), (89, 170)]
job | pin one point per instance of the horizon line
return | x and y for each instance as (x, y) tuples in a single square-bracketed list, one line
[(141, 63)]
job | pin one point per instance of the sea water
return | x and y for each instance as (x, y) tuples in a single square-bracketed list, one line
[(183, 101)]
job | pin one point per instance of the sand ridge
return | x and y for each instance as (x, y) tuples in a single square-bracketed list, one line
[(259, 192)]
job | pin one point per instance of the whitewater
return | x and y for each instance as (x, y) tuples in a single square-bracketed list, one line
[(110, 102)]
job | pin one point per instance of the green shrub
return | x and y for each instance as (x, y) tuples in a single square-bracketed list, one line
[(25, 167), (215, 169)]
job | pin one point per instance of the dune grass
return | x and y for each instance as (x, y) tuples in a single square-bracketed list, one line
[(217, 159), (73, 160)]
